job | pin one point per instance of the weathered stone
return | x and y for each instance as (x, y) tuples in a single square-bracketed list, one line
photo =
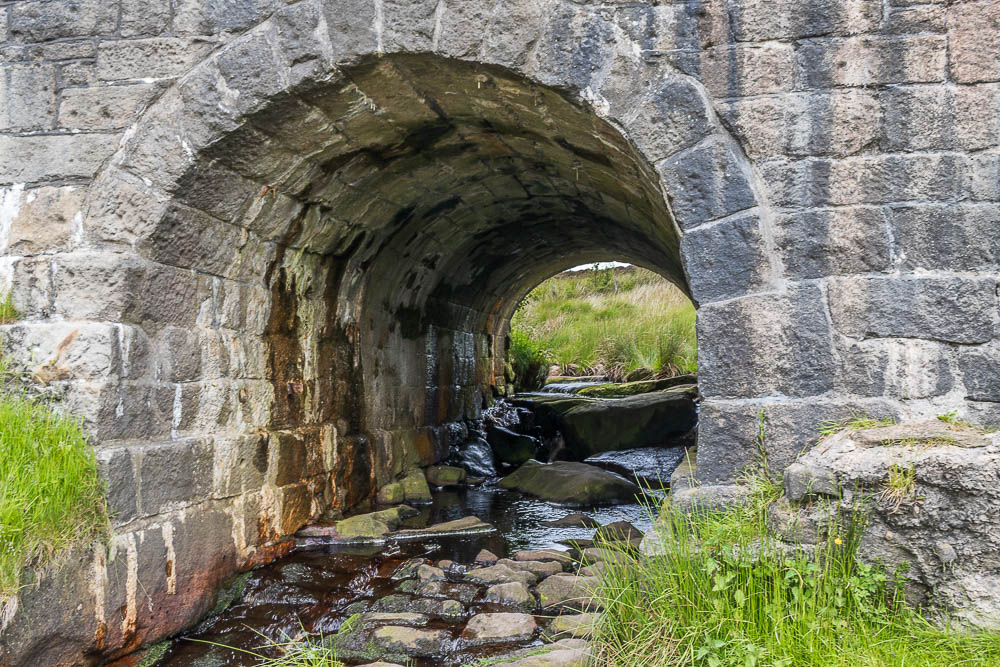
[(708, 498), (803, 481), (560, 557), (391, 494), (726, 259), (487, 557), (445, 476), (103, 107), (572, 520), (540, 569), (617, 531), (499, 627), (510, 447), (415, 489), (512, 594), (570, 483), (566, 590), (500, 574), (563, 653), (411, 641), (429, 573), (578, 626), (399, 618)]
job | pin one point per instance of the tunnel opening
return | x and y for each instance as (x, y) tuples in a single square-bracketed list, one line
[(402, 207)]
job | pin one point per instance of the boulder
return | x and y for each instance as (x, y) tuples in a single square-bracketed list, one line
[(932, 493), (618, 531), (570, 591), (573, 520), (445, 476), (500, 627), (415, 489), (464, 593), (421, 643), (487, 557), (538, 568), (430, 573), (372, 525), (510, 447), (512, 594), (580, 626), (544, 555), (390, 494), (591, 426), (649, 466), (570, 483), (476, 456)]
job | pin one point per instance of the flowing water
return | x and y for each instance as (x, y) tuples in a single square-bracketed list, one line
[(310, 590)]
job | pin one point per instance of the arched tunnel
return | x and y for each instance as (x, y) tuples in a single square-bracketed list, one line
[(406, 207)]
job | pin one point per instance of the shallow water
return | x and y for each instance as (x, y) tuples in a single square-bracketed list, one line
[(309, 590)]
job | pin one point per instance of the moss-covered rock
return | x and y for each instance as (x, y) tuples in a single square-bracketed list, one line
[(391, 494), (415, 489), (374, 524), (623, 389), (446, 476), (591, 425), (570, 483)]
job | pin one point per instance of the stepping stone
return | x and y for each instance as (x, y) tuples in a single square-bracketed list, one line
[(500, 574), (544, 555), (409, 569), (513, 594), (579, 626), (411, 641), (538, 568), (430, 573), (501, 627), (571, 591), (487, 557), (564, 653), (399, 618), (464, 593)]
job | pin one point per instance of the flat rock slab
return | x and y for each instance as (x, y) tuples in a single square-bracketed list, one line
[(571, 483), (650, 466), (573, 520), (926, 432), (465, 525), (398, 618), (545, 555), (500, 574), (417, 642), (564, 653), (464, 593), (499, 627)]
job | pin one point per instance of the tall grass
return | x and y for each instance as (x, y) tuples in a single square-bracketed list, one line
[(723, 594), (611, 323), (51, 495), (8, 313)]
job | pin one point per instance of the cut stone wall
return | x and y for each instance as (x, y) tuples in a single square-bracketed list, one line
[(266, 250)]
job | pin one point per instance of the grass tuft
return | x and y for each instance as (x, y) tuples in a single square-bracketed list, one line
[(610, 322), (856, 422), (8, 313), (725, 593), (51, 496)]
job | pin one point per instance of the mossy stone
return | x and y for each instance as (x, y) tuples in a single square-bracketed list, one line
[(415, 488)]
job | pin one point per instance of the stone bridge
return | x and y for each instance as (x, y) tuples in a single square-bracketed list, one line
[(268, 250)]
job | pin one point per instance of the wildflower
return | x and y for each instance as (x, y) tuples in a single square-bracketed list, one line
[(838, 541)]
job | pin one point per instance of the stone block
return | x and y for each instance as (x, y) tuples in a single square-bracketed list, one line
[(573, 47), (43, 21), (981, 178), (671, 116), (178, 354), (27, 97), (511, 35), (99, 286), (240, 463), (44, 220), (252, 71), (913, 20), (63, 50), (102, 107), (956, 237), (175, 474), (151, 58), (818, 243), (782, 342), (207, 17), (980, 371), (728, 432), (56, 351), (901, 367), (867, 61), (409, 25), (145, 18), (78, 73), (187, 238), (30, 283), (706, 182), (974, 41), (803, 481), (26, 159), (726, 259), (743, 70), (118, 471), (296, 507), (957, 310), (764, 20), (937, 117)]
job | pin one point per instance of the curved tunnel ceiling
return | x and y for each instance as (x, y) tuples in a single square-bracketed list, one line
[(449, 183)]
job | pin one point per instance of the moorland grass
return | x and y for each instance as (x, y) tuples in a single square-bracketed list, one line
[(725, 595), (51, 496), (605, 322)]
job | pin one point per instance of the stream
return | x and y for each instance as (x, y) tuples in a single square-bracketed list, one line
[(320, 585)]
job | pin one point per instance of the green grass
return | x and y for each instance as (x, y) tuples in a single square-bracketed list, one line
[(8, 313), (51, 496), (724, 595), (605, 322)]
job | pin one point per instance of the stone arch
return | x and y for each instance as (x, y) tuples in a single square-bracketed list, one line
[(244, 200)]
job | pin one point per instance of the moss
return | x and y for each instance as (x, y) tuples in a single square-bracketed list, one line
[(153, 654), (619, 390), (230, 592)]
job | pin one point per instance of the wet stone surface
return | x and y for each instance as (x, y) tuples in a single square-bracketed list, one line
[(419, 602)]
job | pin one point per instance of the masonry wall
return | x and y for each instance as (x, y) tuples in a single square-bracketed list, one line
[(822, 176)]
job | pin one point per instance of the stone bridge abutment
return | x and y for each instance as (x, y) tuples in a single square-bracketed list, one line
[(268, 251)]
